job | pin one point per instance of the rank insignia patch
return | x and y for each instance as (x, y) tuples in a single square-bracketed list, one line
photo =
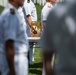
[(49, 5), (12, 11)]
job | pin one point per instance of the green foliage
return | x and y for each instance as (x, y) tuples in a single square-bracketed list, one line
[(1, 8), (39, 8)]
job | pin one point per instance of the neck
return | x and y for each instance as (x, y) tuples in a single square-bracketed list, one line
[(49, 2)]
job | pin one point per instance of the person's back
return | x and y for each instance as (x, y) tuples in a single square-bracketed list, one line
[(47, 7), (61, 33), (30, 10), (64, 40)]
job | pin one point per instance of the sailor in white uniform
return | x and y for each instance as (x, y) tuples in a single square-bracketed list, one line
[(31, 15), (13, 41), (48, 7)]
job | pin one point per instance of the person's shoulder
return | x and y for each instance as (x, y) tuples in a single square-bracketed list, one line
[(12, 11), (7, 12), (44, 8), (9, 15), (33, 4), (49, 5), (44, 5)]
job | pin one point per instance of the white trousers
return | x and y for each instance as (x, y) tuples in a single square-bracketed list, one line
[(21, 64), (31, 54)]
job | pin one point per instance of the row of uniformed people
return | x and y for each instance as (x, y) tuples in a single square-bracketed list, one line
[(13, 38), (29, 17)]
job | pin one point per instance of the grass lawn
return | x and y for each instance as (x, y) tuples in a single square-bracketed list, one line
[(39, 8), (36, 68), (1, 8)]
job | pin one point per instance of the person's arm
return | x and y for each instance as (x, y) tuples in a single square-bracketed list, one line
[(10, 34), (44, 23), (43, 19), (29, 19), (9, 50), (34, 11), (47, 63), (48, 50), (27, 12)]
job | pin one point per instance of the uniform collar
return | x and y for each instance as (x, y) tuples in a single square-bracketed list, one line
[(11, 6)]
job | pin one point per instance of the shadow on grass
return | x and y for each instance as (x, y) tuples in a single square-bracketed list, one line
[(36, 72), (36, 68), (36, 65)]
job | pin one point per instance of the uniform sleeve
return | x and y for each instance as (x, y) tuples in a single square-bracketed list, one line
[(10, 27), (44, 13), (27, 8), (34, 12), (44, 16)]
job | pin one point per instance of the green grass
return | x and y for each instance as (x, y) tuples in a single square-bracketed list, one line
[(1, 8), (39, 8), (36, 68)]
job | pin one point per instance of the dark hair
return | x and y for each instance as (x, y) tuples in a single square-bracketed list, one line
[(9, 0), (28, 1)]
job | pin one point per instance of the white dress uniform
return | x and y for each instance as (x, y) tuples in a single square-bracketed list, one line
[(12, 27), (30, 9), (44, 14), (45, 11), (27, 24), (20, 10), (61, 34)]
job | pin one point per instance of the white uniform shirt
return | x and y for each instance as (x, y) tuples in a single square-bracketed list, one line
[(20, 10), (60, 36), (45, 11), (24, 20), (12, 28), (31, 10)]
